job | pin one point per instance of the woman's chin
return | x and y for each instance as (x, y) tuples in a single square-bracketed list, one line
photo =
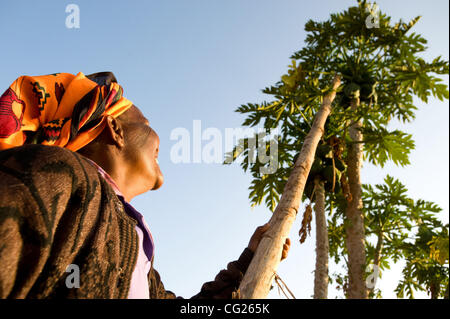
[(159, 182)]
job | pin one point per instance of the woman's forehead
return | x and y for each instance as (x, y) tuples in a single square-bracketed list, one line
[(136, 114)]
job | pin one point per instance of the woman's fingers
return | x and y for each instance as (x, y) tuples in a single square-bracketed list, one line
[(286, 247)]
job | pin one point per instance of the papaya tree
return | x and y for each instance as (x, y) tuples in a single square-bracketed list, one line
[(382, 71), (262, 269), (427, 261), (323, 178), (397, 228), (408, 230), (397, 223)]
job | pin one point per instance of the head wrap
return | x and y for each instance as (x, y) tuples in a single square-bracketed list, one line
[(59, 109)]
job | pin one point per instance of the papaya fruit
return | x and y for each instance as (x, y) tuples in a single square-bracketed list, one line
[(323, 150), (327, 174), (352, 90), (308, 189), (316, 168), (339, 164), (337, 187)]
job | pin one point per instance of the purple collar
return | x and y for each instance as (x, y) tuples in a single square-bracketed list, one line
[(148, 244)]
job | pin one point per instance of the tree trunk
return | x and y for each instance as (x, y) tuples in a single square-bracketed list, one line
[(434, 289), (321, 272), (377, 260), (259, 276), (355, 218), (378, 249)]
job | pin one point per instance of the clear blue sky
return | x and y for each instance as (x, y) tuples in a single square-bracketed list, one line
[(181, 61)]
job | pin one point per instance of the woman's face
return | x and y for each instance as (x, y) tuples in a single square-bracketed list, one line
[(141, 149)]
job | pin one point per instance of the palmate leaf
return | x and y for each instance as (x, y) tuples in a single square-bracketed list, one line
[(267, 187), (427, 273), (439, 248), (255, 115), (381, 145), (417, 74)]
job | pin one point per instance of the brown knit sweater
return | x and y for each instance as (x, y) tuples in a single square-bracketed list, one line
[(57, 210)]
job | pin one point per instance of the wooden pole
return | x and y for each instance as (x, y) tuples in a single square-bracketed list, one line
[(260, 274)]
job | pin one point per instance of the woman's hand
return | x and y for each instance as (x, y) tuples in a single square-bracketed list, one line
[(257, 236)]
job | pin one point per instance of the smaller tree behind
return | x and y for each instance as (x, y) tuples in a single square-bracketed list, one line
[(399, 228)]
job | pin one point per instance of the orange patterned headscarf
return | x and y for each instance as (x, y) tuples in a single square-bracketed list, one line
[(59, 109)]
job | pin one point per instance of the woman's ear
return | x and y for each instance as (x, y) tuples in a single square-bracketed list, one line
[(115, 131)]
